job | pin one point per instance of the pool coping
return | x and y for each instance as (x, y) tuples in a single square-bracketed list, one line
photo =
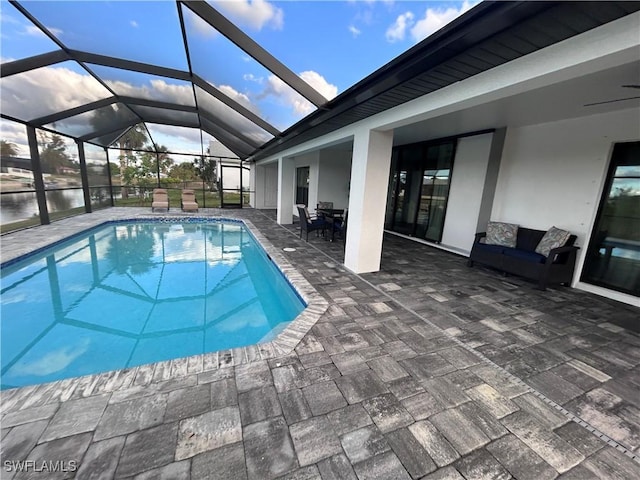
[(114, 380)]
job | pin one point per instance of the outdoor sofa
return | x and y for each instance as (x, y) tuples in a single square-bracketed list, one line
[(547, 257)]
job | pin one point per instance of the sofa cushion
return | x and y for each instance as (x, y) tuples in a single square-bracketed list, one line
[(524, 255), (554, 238), (485, 247), (501, 233)]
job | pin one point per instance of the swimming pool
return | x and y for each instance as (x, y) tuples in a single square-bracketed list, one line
[(127, 294)]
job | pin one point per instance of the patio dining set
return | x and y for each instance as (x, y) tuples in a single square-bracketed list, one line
[(326, 221)]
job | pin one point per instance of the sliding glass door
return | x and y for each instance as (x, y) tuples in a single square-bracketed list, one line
[(420, 178), (613, 255)]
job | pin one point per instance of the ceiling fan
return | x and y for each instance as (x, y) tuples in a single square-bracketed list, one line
[(617, 99)]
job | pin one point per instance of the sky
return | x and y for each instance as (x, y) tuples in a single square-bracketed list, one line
[(330, 44)]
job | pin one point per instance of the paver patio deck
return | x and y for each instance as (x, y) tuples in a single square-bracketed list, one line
[(426, 369)]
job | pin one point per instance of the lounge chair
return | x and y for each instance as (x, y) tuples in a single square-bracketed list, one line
[(188, 201), (160, 199)]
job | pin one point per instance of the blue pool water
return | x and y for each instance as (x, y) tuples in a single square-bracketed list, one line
[(126, 294)]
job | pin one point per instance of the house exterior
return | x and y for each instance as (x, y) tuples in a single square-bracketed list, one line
[(524, 112)]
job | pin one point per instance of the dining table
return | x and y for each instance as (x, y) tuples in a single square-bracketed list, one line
[(330, 216)]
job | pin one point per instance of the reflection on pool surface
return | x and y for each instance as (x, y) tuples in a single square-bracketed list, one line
[(135, 293)]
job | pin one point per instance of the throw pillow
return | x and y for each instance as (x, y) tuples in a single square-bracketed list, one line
[(554, 238), (503, 234)]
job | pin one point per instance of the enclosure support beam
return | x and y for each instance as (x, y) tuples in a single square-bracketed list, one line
[(38, 181), (84, 177)]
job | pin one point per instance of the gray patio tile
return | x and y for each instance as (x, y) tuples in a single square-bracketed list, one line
[(544, 412), (445, 392), (405, 387), (387, 368), (557, 452), (579, 472), (439, 449), (75, 416), (331, 345), (580, 438), (18, 417), (483, 420), (221, 463), (17, 444), (569, 373), (309, 344), (363, 443), (69, 450), (294, 406), (490, 399), (464, 379), (173, 471), (223, 393), (422, 405), (130, 416), (459, 357), (428, 366), (268, 449), (148, 449), (305, 473), (289, 376), (611, 464), (411, 454), (500, 381), (336, 468), (208, 431), (101, 460), (461, 433), (359, 386), (253, 375), (481, 465), (554, 387), (314, 439), (386, 465), (627, 391), (447, 473), (315, 359), (258, 404), (399, 350), (349, 362), (522, 462), (353, 341), (349, 418), (323, 397), (188, 402), (387, 412)]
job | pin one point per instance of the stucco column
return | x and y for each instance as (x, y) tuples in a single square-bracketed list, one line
[(367, 199), (286, 185)]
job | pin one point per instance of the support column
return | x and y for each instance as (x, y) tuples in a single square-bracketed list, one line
[(38, 181), (84, 176), (367, 200), (286, 185)]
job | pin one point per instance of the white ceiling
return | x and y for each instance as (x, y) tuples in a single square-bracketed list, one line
[(568, 99)]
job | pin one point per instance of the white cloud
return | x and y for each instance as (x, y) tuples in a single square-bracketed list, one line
[(436, 18), (289, 97), (250, 77), (133, 23), (47, 90), (397, 31), (354, 31), (34, 31), (239, 97), (252, 13), (51, 362)]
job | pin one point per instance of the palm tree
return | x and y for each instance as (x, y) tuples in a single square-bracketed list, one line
[(135, 138)]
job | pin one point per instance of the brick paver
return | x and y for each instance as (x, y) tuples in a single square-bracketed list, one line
[(426, 369)]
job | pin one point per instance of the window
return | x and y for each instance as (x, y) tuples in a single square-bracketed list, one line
[(419, 189), (302, 186), (613, 255)]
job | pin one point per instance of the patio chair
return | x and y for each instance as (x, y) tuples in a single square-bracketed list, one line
[(188, 201), (160, 199), (340, 226), (309, 223)]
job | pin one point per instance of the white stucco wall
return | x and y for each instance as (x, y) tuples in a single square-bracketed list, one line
[(335, 174), (310, 160), (553, 173), (465, 194)]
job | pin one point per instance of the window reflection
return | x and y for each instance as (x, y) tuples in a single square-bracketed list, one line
[(613, 256)]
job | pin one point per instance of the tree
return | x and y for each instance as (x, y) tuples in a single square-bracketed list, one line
[(53, 152), (206, 169), (8, 149), (184, 172), (134, 139)]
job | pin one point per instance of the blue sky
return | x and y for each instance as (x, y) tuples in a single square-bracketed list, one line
[(330, 44)]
